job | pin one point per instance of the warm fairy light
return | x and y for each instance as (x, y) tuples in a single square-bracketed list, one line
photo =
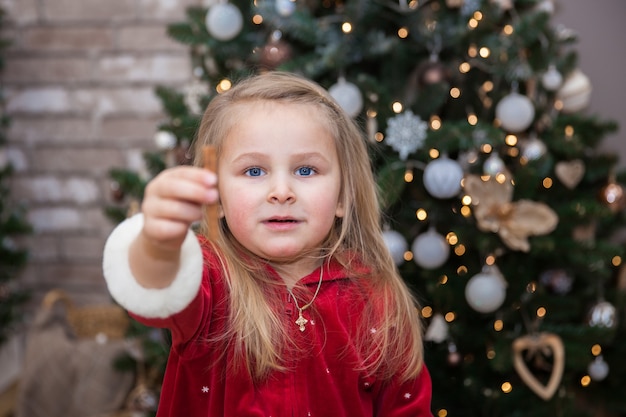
[(569, 131), (490, 260), (403, 32), (472, 119), (558, 105), (485, 177), (506, 387), (547, 182), (596, 350), (498, 325), (257, 19), (450, 316), (408, 256), (435, 122), (408, 175), (397, 107), (443, 280), (508, 30), (616, 260), (472, 24), (541, 312), (442, 413), (421, 214), (378, 137), (585, 380), (465, 67), (466, 211), (531, 288), (486, 148), (491, 353), (371, 113), (346, 27), (452, 238), (459, 250), (466, 200), (433, 153), (461, 270), (427, 312), (510, 140), (472, 51), (413, 4), (488, 86), (455, 92), (484, 52), (224, 85), (500, 178), (513, 152)]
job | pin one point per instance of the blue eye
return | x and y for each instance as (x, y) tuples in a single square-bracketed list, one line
[(254, 172), (305, 171)]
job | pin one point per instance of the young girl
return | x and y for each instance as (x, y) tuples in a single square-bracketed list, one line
[(296, 308)]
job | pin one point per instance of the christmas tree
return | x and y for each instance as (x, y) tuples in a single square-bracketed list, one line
[(12, 224), (499, 209)]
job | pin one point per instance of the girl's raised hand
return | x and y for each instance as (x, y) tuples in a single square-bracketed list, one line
[(173, 200)]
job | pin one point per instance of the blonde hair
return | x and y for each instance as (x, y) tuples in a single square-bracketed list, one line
[(355, 240)]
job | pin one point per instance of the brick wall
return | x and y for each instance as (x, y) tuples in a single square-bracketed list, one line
[(79, 83)]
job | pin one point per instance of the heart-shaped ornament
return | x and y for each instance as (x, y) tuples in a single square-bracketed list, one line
[(545, 345), (570, 173)]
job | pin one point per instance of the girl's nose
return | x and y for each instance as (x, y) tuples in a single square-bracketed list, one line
[(281, 191)]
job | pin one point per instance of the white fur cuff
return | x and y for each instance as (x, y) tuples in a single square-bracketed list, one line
[(150, 302)]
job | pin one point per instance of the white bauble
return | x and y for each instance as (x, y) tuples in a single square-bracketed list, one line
[(348, 96), (224, 21), (438, 330), (442, 177), (494, 165), (285, 7), (575, 93), (486, 291), (533, 148), (430, 249), (164, 140), (552, 79), (515, 112), (603, 315), (397, 245), (598, 369)]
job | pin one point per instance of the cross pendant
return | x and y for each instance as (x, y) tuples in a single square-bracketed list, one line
[(301, 321)]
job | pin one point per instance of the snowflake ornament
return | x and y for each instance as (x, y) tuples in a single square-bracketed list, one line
[(406, 133)]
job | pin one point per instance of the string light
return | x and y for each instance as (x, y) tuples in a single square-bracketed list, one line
[(450, 316), (506, 387), (452, 238), (435, 122), (397, 107), (403, 32), (510, 140), (224, 85), (596, 350), (508, 30), (547, 182), (465, 67), (498, 325), (433, 153), (257, 19), (408, 256), (346, 27), (421, 214), (459, 250), (455, 92), (427, 311), (484, 52), (585, 381), (408, 175), (616, 260)]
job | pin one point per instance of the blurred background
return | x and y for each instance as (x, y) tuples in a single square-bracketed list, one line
[(78, 86)]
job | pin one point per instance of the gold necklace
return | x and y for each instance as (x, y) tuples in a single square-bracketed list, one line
[(301, 320)]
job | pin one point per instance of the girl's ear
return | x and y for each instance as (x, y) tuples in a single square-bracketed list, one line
[(340, 211)]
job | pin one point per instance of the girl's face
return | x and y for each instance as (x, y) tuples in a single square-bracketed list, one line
[(279, 182)]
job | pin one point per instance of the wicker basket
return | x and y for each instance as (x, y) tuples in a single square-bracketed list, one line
[(90, 321)]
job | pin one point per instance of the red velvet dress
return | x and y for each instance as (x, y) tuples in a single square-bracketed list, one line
[(321, 382)]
